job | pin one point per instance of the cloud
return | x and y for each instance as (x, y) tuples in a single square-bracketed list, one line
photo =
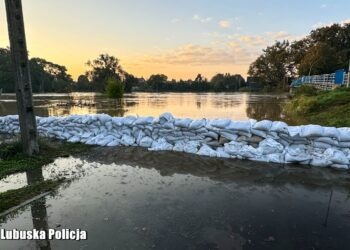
[(323, 6), (322, 25), (202, 19), (225, 24), (175, 20), (253, 40)]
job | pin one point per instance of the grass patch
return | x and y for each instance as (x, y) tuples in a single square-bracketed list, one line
[(327, 108), (14, 161), (13, 198)]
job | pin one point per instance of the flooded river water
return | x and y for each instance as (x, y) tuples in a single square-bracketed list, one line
[(238, 106), (130, 198)]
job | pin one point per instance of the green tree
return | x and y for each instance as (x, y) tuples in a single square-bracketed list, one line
[(320, 59), (129, 82), (157, 82), (273, 65), (103, 68), (83, 84), (114, 88)]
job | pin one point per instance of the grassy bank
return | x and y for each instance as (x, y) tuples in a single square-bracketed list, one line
[(12, 160), (14, 198), (327, 108)]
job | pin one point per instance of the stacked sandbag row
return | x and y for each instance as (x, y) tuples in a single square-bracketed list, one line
[(259, 141)]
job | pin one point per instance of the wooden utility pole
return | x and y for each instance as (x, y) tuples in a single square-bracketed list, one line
[(23, 83)]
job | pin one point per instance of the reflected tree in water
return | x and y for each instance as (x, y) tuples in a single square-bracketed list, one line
[(265, 108)]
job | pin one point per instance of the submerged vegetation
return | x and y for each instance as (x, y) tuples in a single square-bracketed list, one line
[(327, 108), (115, 88)]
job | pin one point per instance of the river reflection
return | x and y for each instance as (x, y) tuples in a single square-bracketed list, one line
[(130, 198), (238, 106)]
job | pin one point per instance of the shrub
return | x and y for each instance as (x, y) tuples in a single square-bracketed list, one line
[(306, 90), (115, 88)]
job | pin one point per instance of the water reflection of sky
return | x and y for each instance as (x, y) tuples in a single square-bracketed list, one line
[(237, 106), (134, 199)]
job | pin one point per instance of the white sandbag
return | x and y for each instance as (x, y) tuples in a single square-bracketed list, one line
[(205, 150), (275, 158), (270, 146), (109, 125), (74, 139), (233, 148), (220, 152), (344, 134), (264, 125), (143, 120), (259, 158), (166, 117), (191, 147), (294, 131), (340, 166), (331, 132), (317, 144), (168, 125), (146, 142), (118, 121), (344, 144), (104, 118), (220, 123), (114, 143), (272, 135), (127, 140), (244, 126), (320, 162), (327, 140), (289, 158), (129, 120), (279, 127), (248, 151), (196, 124), (179, 146), (183, 123), (161, 145), (259, 133), (336, 156), (311, 131), (229, 136)]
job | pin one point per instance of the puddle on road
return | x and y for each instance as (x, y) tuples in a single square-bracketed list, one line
[(129, 198)]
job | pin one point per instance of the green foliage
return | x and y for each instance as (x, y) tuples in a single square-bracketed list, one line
[(323, 51), (319, 59), (220, 82), (46, 76), (103, 68), (115, 88), (306, 90), (327, 108), (9, 151), (273, 65)]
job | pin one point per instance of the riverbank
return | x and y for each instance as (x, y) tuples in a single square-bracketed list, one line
[(327, 108)]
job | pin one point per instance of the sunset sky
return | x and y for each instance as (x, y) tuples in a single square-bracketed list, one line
[(178, 38)]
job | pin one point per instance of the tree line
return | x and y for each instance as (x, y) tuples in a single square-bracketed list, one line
[(323, 51), (105, 74)]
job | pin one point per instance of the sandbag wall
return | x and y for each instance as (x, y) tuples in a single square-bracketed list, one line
[(265, 140)]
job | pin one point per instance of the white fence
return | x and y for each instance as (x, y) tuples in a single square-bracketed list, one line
[(325, 82)]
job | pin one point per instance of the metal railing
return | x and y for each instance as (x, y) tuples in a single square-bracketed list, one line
[(325, 82)]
